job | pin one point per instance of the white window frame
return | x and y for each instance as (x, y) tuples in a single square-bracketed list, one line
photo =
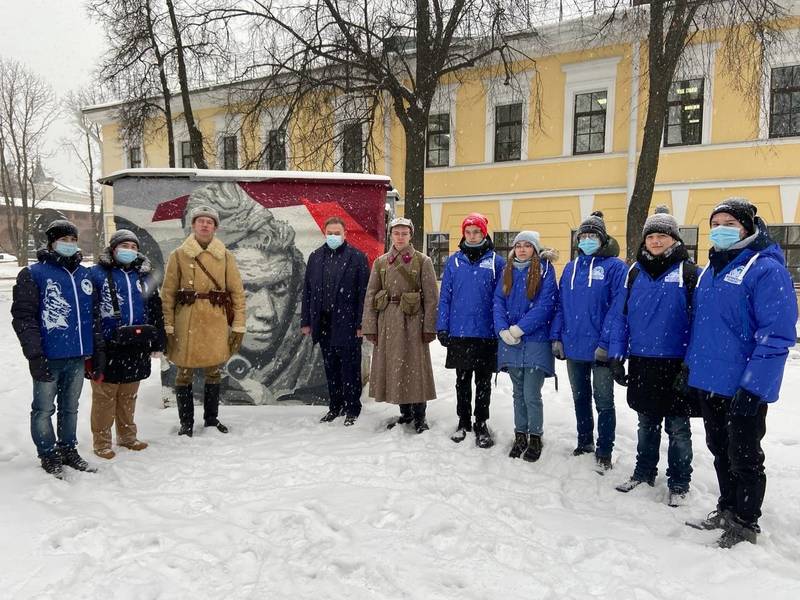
[(273, 119), (227, 126), (698, 62), (500, 94), (590, 76), (444, 101), (786, 56)]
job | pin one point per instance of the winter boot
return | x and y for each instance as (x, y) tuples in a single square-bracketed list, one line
[(677, 497), (406, 416), (483, 439), (211, 407), (71, 458), (603, 464), (106, 453), (631, 484), (460, 434), (736, 532), (420, 424), (330, 416), (136, 445), (583, 449), (52, 465), (520, 445), (716, 519), (534, 450), (185, 401), (350, 420)]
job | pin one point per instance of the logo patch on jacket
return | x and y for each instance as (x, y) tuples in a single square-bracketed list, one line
[(736, 275), (56, 310), (86, 286), (674, 277), (598, 273), (487, 263)]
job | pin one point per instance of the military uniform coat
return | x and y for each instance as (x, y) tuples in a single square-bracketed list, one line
[(201, 329), (401, 370)]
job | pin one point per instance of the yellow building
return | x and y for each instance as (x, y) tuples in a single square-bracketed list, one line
[(560, 143)]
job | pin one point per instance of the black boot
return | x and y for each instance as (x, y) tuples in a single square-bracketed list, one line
[(534, 450), (71, 458), (406, 416), (520, 445), (461, 431), (420, 424), (52, 465), (483, 439), (185, 401), (211, 407)]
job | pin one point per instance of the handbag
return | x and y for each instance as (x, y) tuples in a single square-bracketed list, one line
[(140, 336)]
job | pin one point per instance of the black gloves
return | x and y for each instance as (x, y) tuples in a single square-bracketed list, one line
[(617, 368), (39, 369), (557, 348), (744, 403), (444, 337)]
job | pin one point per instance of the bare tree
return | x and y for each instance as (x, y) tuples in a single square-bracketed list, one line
[(364, 58), (86, 147), (27, 108)]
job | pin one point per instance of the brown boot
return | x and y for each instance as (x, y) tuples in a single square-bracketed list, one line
[(135, 445), (106, 453)]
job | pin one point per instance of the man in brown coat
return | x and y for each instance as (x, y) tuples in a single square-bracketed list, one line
[(204, 315), (400, 319)]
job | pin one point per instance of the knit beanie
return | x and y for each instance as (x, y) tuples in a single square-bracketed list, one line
[(662, 222), (531, 237), (595, 224), (204, 211), (741, 210), (475, 220), (60, 228), (401, 221), (122, 235)]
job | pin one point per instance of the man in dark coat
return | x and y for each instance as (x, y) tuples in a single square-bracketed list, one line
[(333, 302)]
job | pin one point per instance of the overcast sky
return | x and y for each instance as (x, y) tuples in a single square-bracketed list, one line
[(57, 40)]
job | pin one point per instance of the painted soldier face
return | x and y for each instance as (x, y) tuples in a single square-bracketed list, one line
[(271, 298)]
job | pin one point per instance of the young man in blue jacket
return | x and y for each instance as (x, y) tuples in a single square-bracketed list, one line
[(53, 312), (588, 287), (744, 325), (333, 302)]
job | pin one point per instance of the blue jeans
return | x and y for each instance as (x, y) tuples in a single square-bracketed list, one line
[(528, 410), (66, 386), (679, 453), (586, 377)]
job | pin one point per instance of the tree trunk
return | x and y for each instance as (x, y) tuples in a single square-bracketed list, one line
[(162, 75), (414, 200), (195, 135)]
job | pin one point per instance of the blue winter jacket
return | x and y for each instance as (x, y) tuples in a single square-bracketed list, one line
[(466, 296), (744, 324), (66, 303), (534, 317), (588, 288), (657, 324), (131, 289)]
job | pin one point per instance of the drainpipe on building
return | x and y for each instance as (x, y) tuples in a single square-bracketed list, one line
[(633, 128)]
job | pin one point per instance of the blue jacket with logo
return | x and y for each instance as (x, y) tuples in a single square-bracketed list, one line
[(534, 317), (657, 324), (588, 288), (466, 296), (744, 323), (132, 304), (53, 308)]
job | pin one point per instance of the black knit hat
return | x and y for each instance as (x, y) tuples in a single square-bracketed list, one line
[(58, 229), (595, 224), (741, 210), (662, 222), (122, 235)]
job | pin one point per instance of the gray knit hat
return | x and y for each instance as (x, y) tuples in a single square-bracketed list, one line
[(740, 209), (662, 222), (60, 228), (531, 237), (595, 224), (122, 235), (204, 211)]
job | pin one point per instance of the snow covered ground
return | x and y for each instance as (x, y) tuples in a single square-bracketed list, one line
[(284, 507)]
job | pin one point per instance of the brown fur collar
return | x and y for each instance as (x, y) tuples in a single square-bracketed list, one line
[(192, 248)]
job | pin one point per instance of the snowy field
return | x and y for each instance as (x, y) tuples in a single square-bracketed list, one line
[(284, 507)]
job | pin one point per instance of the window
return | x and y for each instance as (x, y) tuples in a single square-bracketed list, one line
[(503, 242), (788, 238), (135, 157), (784, 102), (187, 160), (352, 149), (438, 140), (275, 152), (689, 237), (230, 152), (589, 128), (438, 245), (507, 132), (683, 125)]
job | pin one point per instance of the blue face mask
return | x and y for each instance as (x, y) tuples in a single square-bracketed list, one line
[(334, 241), (125, 256), (723, 237), (66, 249), (589, 246)]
